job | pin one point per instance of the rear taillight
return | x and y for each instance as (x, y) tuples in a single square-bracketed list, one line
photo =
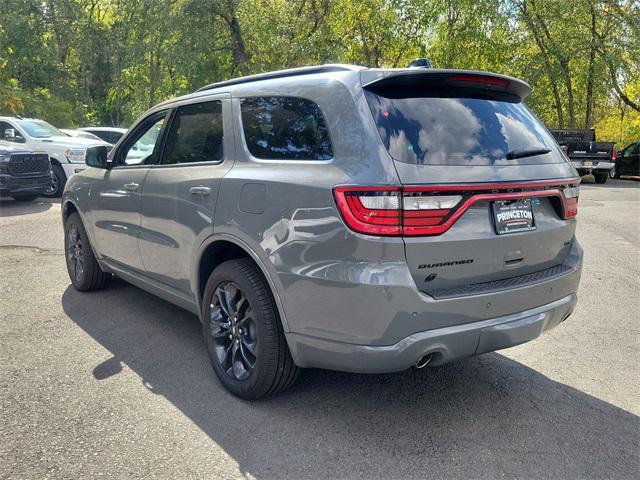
[(570, 195), (614, 155), (372, 210), (432, 210)]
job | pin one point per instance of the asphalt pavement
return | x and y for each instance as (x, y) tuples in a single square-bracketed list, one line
[(116, 384)]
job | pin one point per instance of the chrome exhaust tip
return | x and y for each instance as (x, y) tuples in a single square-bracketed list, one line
[(424, 360)]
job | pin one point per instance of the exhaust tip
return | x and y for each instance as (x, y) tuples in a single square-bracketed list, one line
[(424, 360)]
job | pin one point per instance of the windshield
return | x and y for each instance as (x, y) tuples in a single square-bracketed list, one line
[(449, 130), (40, 129)]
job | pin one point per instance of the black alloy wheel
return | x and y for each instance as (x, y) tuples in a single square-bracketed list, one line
[(233, 331)]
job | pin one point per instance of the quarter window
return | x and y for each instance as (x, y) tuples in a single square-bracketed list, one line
[(196, 134), (285, 128)]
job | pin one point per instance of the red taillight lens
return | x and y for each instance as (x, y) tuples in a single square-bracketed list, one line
[(614, 155), (421, 211), (372, 210), (570, 195)]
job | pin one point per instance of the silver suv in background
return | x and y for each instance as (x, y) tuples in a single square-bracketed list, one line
[(340, 217)]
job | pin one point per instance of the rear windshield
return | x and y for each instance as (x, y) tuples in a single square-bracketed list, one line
[(454, 130)]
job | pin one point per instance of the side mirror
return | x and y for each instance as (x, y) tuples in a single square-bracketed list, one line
[(96, 156), (11, 136)]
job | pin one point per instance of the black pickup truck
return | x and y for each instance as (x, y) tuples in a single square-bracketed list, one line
[(586, 154), (24, 174)]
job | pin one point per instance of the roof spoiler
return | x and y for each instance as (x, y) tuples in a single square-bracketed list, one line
[(468, 79)]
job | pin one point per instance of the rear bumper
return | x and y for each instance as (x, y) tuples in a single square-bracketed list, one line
[(446, 344), (379, 329), (11, 185), (595, 165)]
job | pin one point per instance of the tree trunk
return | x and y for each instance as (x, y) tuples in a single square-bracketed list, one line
[(588, 117), (238, 49), (544, 51)]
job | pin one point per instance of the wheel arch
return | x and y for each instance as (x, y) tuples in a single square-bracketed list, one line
[(221, 248), (68, 207)]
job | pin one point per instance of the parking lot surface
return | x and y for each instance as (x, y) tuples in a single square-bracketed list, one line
[(117, 383)]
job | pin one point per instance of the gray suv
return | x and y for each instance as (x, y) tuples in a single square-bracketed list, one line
[(339, 217)]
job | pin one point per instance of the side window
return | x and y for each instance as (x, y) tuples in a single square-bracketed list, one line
[(3, 126), (141, 147), (285, 128), (195, 134), (9, 133)]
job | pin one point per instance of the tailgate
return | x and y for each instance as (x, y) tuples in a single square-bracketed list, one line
[(484, 187)]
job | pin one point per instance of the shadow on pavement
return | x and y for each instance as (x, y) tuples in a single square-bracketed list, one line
[(487, 417), (11, 208)]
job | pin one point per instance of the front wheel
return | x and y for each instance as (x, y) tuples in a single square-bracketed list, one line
[(243, 334), (84, 271), (601, 177), (58, 181), (613, 173)]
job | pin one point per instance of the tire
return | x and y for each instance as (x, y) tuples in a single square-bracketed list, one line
[(601, 177), (613, 173), (83, 268), (25, 198), (58, 181), (242, 332)]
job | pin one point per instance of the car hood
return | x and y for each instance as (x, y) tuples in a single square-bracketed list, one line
[(8, 148), (73, 141)]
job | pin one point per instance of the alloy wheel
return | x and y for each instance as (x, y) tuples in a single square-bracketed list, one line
[(233, 331), (53, 188), (74, 253), (612, 172)]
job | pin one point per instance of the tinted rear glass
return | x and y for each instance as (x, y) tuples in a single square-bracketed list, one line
[(449, 130), (285, 128)]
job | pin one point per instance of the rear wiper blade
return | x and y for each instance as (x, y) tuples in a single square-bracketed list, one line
[(523, 152)]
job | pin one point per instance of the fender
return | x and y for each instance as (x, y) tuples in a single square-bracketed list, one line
[(254, 256), (87, 226)]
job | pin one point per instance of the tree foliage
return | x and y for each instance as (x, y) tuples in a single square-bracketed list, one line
[(75, 62)]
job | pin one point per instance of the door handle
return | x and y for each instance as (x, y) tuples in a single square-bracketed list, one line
[(131, 186), (200, 191)]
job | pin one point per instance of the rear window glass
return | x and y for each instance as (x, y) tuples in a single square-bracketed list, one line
[(285, 128), (449, 130)]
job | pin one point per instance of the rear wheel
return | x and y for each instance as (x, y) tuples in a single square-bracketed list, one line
[(601, 177), (58, 181), (25, 198), (84, 271), (243, 334)]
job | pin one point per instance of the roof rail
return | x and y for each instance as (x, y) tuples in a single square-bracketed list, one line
[(291, 72)]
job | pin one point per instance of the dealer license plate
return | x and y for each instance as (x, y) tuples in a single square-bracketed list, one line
[(513, 216)]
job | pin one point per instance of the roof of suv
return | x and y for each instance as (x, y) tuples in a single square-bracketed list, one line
[(373, 76)]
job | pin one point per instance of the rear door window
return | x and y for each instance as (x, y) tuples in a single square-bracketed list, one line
[(195, 135), (285, 128), (447, 129)]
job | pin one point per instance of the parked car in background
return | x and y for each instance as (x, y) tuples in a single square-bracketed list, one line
[(366, 220), (108, 134), (627, 161), (586, 154), (24, 174), (79, 133), (66, 153)]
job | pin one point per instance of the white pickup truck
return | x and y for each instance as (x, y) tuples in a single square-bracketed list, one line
[(67, 153)]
